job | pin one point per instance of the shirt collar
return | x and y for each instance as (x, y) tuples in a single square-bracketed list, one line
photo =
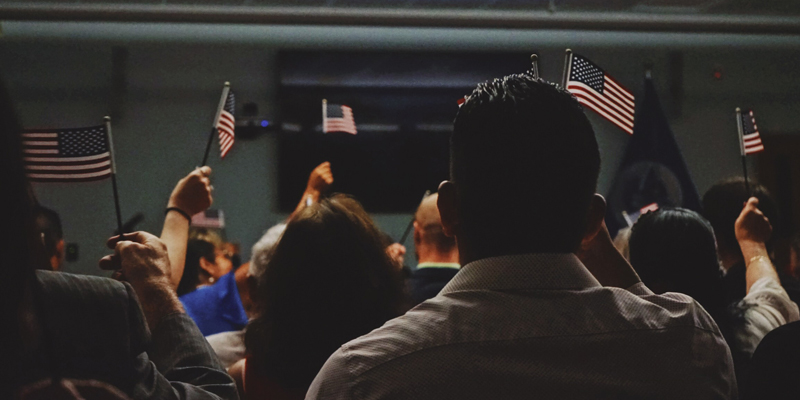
[(438, 265), (523, 271)]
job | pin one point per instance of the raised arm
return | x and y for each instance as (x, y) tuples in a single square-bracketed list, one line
[(185, 365), (752, 232), (320, 179), (191, 195)]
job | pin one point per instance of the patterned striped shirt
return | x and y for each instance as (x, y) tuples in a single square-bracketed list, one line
[(536, 326)]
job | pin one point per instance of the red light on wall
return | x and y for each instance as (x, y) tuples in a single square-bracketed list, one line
[(717, 74)]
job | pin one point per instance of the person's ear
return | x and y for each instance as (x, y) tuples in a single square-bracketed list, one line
[(595, 218), (417, 234), (448, 208), (207, 266), (58, 258)]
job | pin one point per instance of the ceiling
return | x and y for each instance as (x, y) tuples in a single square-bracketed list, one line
[(736, 7), (709, 16)]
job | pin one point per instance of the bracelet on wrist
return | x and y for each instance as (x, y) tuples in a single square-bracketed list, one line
[(179, 211)]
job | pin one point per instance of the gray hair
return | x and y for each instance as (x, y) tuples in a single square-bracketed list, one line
[(262, 250)]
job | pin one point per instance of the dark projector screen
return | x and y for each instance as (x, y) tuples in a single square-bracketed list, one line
[(403, 106)]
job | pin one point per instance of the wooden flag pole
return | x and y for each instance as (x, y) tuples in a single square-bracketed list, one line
[(567, 67), (113, 174), (535, 66), (741, 149), (225, 90), (411, 223)]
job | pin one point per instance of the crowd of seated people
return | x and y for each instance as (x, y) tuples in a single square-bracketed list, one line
[(519, 292)]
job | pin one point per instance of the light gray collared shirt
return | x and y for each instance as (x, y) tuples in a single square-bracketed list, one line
[(536, 326)]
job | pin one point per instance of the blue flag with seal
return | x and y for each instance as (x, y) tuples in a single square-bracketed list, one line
[(653, 171)]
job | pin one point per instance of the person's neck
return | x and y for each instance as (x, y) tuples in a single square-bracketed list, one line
[(729, 258), (450, 257)]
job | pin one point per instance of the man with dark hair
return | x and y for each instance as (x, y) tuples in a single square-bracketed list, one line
[(525, 317), (48, 224), (437, 254)]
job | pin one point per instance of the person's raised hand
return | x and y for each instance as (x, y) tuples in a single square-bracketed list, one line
[(752, 225), (321, 179), (397, 252), (143, 261), (141, 257), (192, 194)]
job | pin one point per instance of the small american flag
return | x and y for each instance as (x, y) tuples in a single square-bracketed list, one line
[(598, 91), (67, 155), (226, 124), (337, 118), (751, 139), (209, 219)]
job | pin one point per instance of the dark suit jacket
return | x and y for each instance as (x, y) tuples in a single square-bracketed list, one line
[(97, 331), (426, 283)]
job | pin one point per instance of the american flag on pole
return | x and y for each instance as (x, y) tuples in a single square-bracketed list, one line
[(67, 155), (598, 91), (226, 124), (337, 118), (751, 139)]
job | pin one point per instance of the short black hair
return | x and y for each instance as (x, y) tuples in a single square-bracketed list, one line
[(525, 163), (723, 203), (673, 249), (48, 225)]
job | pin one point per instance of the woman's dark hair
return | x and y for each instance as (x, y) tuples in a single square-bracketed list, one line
[(328, 282), (195, 250), (20, 244), (674, 250)]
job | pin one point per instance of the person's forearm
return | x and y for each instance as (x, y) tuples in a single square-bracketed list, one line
[(757, 260), (175, 235), (158, 300)]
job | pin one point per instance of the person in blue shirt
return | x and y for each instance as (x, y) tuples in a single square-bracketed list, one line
[(209, 291)]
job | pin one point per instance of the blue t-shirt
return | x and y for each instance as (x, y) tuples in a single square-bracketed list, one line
[(216, 308)]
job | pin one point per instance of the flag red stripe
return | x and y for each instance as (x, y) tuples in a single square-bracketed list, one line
[(587, 102), (63, 159), (62, 167), (613, 108), (753, 150), (615, 97), (597, 103), (627, 93), (71, 176)]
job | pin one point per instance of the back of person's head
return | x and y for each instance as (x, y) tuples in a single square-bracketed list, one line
[(673, 250), (525, 163), (212, 236), (195, 250), (48, 224), (329, 281), (723, 203), (263, 249), (428, 229)]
